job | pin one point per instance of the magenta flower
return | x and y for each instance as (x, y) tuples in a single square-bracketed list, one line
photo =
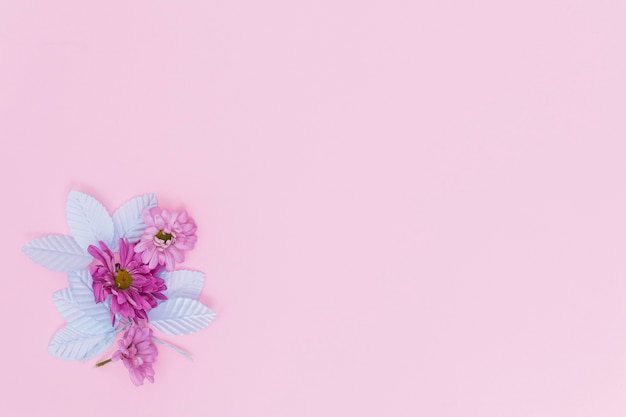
[(166, 237), (130, 282), (138, 352)]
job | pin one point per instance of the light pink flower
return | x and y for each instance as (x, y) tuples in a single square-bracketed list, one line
[(166, 237), (131, 283), (138, 352)]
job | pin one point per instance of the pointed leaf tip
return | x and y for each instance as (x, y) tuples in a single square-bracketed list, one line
[(88, 220), (183, 284), (180, 316), (57, 252), (128, 221), (72, 344)]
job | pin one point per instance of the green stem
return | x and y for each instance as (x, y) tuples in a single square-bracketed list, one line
[(99, 364)]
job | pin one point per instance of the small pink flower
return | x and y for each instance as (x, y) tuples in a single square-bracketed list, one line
[(138, 352), (166, 237), (132, 285)]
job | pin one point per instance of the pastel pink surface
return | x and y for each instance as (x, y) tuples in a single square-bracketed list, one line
[(405, 208)]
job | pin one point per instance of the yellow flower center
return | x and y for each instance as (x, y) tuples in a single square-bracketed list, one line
[(123, 279), (165, 237)]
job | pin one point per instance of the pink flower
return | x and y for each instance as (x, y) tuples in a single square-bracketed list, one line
[(166, 237), (132, 285), (138, 352)]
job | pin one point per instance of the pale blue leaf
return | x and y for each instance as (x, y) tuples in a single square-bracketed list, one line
[(82, 295), (127, 220), (180, 316), (66, 306), (183, 284), (88, 220), (75, 316), (72, 344), (57, 252)]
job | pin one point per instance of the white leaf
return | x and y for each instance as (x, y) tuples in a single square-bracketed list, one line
[(180, 316), (72, 344), (82, 294), (127, 220), (65, 305), (88, 220), (57, 252), (77, 318), (183, 284)]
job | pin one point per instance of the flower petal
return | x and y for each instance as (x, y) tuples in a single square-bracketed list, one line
[(82, 294)]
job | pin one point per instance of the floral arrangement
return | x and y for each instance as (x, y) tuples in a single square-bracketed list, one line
[(122, 280)]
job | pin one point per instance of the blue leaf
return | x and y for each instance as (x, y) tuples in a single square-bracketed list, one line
[(72, 344), (183, 284), (127, 220), (180, 316), (88, 220), (82, 294), (66, 306), (75, 316), (57, 252)]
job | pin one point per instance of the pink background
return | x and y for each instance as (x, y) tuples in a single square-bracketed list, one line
[(406, 208)]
